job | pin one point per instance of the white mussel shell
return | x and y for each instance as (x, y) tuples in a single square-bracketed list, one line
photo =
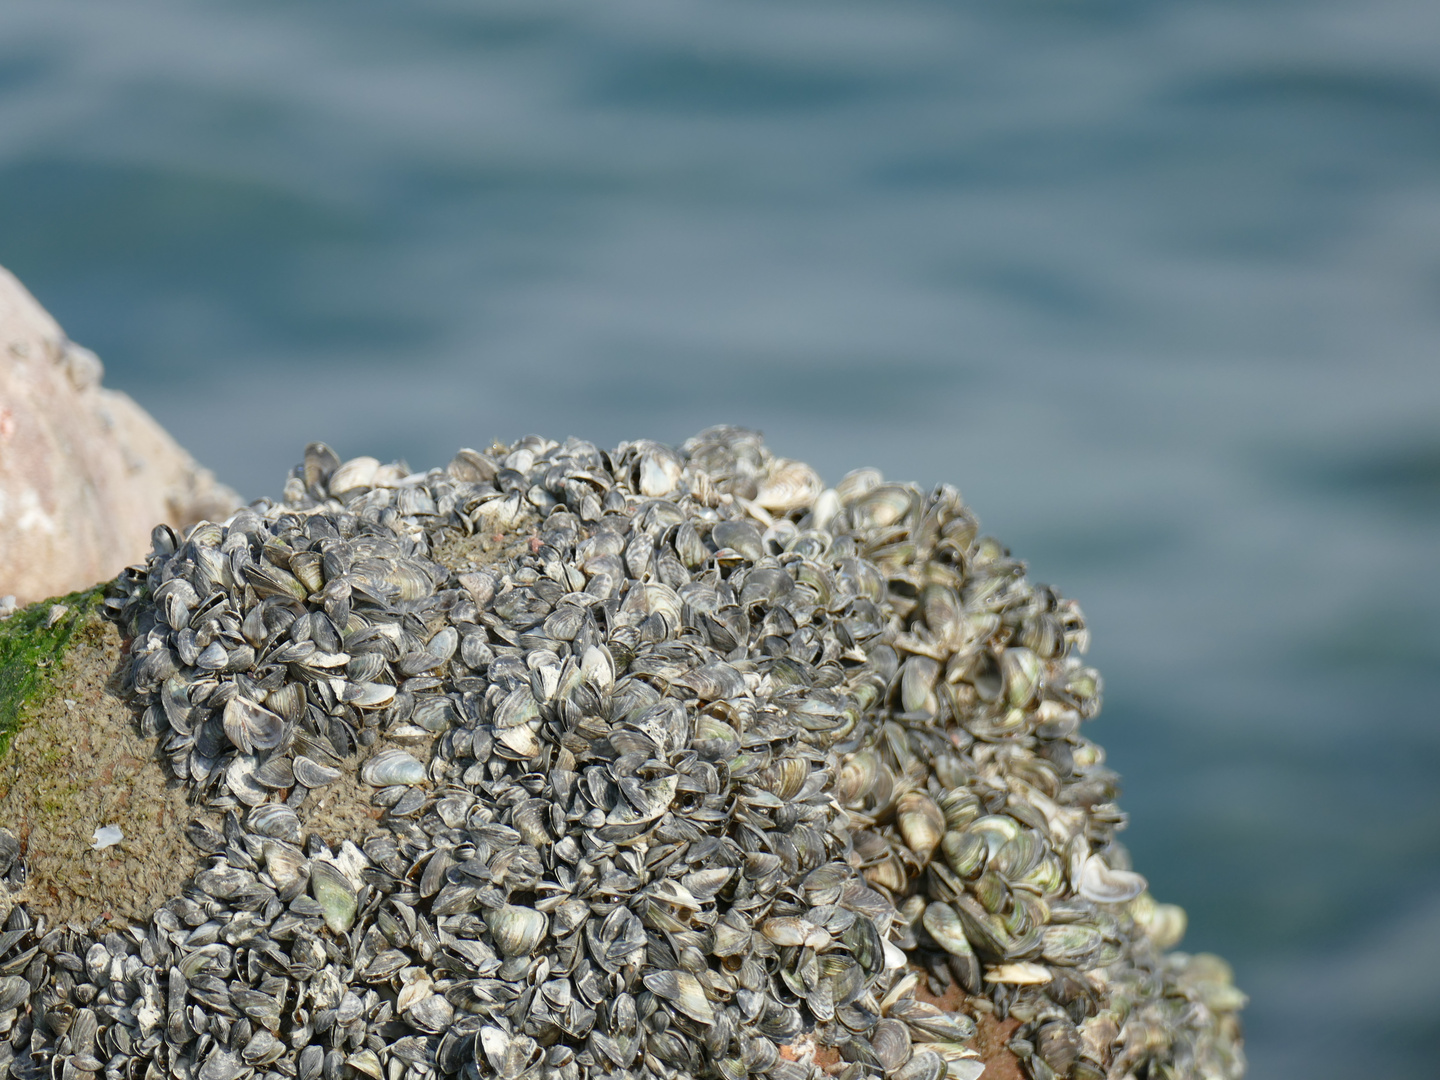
[(1105, 886), (390, 767)]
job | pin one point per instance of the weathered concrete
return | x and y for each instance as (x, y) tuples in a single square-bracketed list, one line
[(85, 473)]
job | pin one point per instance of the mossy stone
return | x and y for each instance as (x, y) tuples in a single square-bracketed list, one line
[(73, 759), (31, 646)]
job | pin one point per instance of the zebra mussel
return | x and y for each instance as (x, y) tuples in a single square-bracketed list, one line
[(687, 765)]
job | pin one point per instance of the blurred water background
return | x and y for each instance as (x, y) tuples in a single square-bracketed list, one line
[(1155, 283)]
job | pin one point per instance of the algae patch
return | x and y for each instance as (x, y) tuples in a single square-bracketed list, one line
[(76, 762), (31, 644)]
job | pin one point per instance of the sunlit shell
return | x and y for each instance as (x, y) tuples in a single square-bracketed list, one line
[(252, 727), (921, 823), (1021, 973), (788, 485), (358, 472), (392, 767), (335, 895), (313, 774), (275, 820), (1106, 886), (516, 930)]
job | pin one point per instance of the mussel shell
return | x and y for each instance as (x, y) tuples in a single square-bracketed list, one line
[(891, 1043), (682, 990), (1069, 945), (312, 774), (365, 667), (942, 923), (516, 930), (788, 485), (358, 472), (881, 506), (252, 727), (739, 536), (921, 823), (335, 895), (275, 820), (392, 767), (1105, 886), (435, 713), (924, 1065)]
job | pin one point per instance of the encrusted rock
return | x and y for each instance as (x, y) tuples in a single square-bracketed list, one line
[(678, 762)]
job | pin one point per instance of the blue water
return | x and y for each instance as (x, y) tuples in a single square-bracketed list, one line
[(1157, 284)]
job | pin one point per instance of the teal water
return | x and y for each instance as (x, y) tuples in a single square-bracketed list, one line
[(1156, 284)]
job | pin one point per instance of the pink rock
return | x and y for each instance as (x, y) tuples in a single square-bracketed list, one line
[(85, 473)]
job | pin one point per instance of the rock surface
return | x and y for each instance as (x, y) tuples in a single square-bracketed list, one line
[(76, 762), (85, 473)]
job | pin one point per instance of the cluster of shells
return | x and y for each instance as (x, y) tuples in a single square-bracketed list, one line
[(684, 765)]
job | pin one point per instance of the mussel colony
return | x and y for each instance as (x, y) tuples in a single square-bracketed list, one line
[(685, 766)]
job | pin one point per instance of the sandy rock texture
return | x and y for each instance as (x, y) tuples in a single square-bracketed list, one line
[(85, 473)]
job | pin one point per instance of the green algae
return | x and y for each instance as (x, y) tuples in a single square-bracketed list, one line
[(76, 760), (31, 647)]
